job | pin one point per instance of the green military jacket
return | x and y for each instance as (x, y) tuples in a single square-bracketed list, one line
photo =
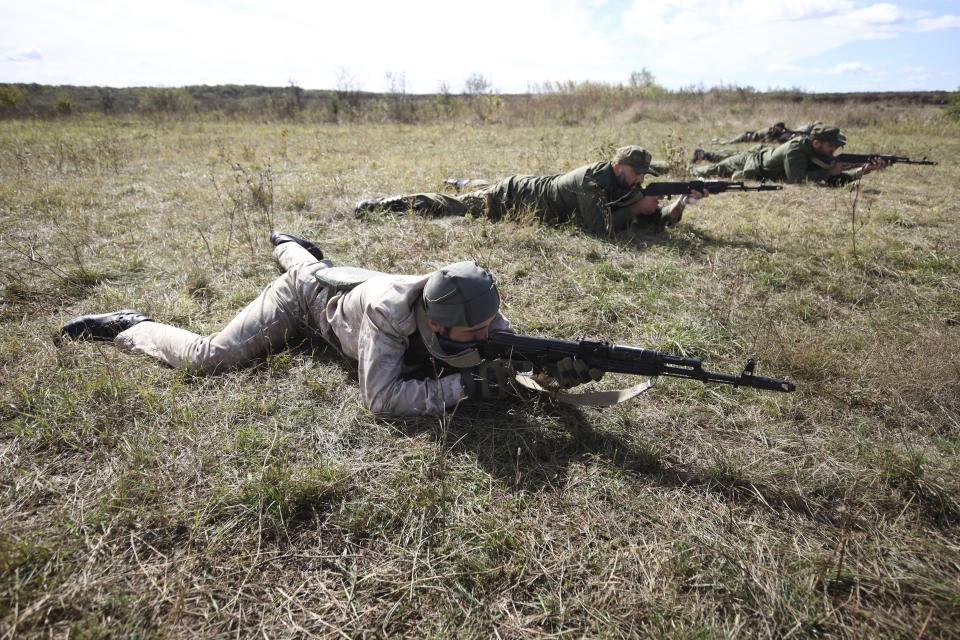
[(793, 161), (763, 135), (583, 196)]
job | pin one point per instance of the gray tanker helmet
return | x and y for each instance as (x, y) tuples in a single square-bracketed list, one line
[(461, 295)]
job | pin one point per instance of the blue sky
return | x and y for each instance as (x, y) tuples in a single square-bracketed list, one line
[(820, 45)]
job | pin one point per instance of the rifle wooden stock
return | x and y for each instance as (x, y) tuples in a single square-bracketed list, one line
[(613, 358)]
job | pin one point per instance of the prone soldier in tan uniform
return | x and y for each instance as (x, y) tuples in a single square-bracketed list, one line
[(593, 196), (402, 331)]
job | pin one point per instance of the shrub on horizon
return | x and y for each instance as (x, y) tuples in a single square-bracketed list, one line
[(953, 107), (10, 98)]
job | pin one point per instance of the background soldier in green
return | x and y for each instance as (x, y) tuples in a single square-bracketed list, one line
[(801, 159), (700, 155), (592, 196), (776, 133)]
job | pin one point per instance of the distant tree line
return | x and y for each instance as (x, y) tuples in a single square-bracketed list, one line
[(565, 102)]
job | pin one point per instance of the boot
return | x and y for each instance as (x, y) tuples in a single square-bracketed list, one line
[(366, 206), (397, 204), (278, 237), (702, 155), (105, 326)]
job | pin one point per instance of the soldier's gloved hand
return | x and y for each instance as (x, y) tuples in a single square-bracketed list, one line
[(487, 380), (569, 372)]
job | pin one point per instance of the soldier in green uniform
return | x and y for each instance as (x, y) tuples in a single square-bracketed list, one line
[(803, 158), (599, 197), (702, 155), (776, 133)]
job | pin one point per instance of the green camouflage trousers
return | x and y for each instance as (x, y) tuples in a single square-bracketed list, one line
[(476, 203), (749, 136), (724, 168), (726, 162), (721, 155)]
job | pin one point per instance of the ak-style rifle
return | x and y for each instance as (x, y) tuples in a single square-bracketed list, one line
[(864, 158), (713, 186), (544, 353)]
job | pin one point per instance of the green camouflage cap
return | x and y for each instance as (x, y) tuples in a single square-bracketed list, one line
[(828, 133), (636, 157), (461, 294)]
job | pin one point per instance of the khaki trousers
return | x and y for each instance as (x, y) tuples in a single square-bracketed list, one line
[(290, 309)]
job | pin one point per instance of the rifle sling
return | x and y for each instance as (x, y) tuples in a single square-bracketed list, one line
[(589, 399), (822, 162)]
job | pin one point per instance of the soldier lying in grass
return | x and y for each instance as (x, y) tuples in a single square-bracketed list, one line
[(776, 133), (805, 158), (590, 196), (402, 331)]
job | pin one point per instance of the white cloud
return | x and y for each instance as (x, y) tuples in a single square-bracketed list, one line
[(214, 41), (771, 34), (513, 44), (23, 55), (939, 23), (783, 68), (849, 67)]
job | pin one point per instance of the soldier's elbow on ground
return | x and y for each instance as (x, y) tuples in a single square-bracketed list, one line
[(388, 405), (381, 405)]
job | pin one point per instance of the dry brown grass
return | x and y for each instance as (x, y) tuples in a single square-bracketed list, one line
[(141, 502)]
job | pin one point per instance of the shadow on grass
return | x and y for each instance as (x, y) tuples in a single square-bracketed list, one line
[(687, 241), (532, 447), (41, 296)]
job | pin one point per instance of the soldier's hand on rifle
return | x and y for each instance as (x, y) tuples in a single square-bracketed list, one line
[(692, 198), (875, 164), (569, 372), (673, 211), (837, 168), (645, 206), (487, 380)]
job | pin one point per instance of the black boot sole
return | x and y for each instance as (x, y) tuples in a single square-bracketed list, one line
[(103, 327)]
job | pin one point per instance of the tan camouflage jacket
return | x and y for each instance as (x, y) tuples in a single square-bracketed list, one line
[(372, 324)]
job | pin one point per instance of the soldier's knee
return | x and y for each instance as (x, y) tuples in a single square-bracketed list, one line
[(206, 360), (302, 278)]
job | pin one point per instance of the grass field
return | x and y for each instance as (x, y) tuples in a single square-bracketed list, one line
[(141, 502)]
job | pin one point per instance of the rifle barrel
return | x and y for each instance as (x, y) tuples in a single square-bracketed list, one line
[(612, 358), (712, 186), (863, 158)]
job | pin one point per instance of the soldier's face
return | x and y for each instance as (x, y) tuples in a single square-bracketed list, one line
[(628, 177), (476, 333), (824, 147)]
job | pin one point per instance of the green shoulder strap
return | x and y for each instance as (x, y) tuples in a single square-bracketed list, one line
[(344, 278)]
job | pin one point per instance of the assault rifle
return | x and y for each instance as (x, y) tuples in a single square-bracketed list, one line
[(542, 353), (713, 186), (864, 158)]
